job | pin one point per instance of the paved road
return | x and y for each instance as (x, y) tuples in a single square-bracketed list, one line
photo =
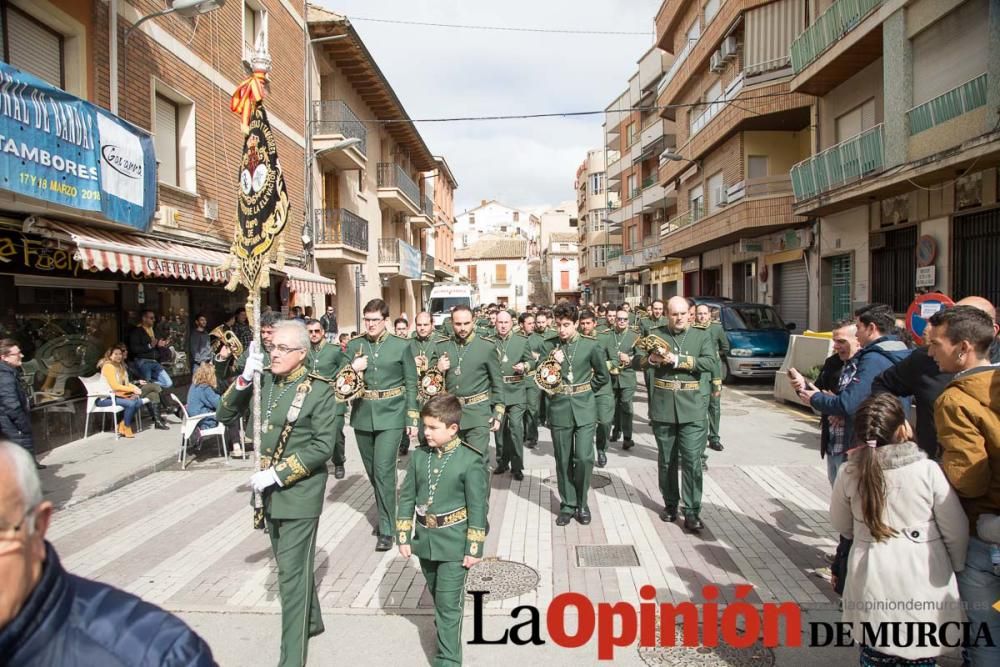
[(183, 540)]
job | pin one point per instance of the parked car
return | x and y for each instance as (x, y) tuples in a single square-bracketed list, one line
[(758, 338)]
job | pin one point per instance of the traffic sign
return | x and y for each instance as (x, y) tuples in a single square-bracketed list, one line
[(921, 310)]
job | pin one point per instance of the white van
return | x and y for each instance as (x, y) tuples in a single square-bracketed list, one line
[(445, 296)]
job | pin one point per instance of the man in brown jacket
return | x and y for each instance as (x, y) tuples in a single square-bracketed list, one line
[(968, 428)]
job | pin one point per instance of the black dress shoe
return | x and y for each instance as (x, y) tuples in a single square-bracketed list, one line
[(518, 475), (375, 531), (614, 436), (583, 516), (628, 444), (40, 466), (668, 514), (602, 459), (384, 543), (338, 472), (716, 446), (500, 469), (693, 523), (704, 464), (404, 449), (564, 518), (530, 444)]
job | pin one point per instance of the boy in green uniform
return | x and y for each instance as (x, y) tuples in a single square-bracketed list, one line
[(387, 406), (515, 362), (573, 413), (623, 382), (531, 390), (296, 442), (324, 360), (677, 409), (472, 374), (605, 396), (703, 315), (446, 486)]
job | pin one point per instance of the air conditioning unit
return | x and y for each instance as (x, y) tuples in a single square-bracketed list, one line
[(729, 47), (721, 196), (717, 64), (211, 209)]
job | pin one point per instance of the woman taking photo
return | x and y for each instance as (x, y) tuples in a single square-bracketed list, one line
[(127, 395)]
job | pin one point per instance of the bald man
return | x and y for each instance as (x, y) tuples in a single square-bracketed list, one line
[(919, 376)]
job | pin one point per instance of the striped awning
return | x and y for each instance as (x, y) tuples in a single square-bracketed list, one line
[(121, 252), (302, 281)]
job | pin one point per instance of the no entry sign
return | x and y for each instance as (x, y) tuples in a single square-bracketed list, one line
[(921, 310)]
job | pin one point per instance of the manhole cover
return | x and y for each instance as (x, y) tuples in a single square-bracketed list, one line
[(502, 578), (704, 656), (597, 481), (606, 555), (735, 412)]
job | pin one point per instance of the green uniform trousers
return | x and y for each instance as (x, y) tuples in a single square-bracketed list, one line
[(446, 582), (510, 439), (679, 449), (339, 455), (531, 405), (574, 450), (378, 452), (624, 411), (605, 418), (478, 437), (293, 542), (714, 416)]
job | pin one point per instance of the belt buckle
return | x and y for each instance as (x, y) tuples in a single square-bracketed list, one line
[(431, 520)]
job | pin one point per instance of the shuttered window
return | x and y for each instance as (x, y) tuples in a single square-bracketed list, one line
[(711, 9), (473, 278), (951, 51), (716, 188), (770, 31), (501, 273), (33, 47), (757, 166), (165, 140), (856, 121)]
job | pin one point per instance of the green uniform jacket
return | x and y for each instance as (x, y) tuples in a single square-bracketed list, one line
[(486, 330), (302, 468), (515, 349), (421, 346), (390, 366), (588, 365), (647, 324), (460, 494), (721, 343), (606, 344), (685, 403), (480, 373), (325, 361), (623, 342)]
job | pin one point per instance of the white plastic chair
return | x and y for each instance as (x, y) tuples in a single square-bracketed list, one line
[(97, 388), (189, 424)]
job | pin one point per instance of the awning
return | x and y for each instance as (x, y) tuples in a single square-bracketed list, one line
[(300, 280), (104, 250)]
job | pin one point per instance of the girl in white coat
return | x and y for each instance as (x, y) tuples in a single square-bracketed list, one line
[(910, 536)]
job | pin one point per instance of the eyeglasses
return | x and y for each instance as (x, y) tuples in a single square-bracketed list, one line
[(8, 534), (373, 320), (315, 330), (622, 319), (284, 349)]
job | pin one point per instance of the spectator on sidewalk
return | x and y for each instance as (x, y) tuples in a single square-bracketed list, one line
[(329, 322), (143, 346), (241, 327), (15, 412), (920, 377), (878, 352), (127, 395), (50, 617), (201, 343), (149, 390), (204, 398), (968, 428), (910, 536)]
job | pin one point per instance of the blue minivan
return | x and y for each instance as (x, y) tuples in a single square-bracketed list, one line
[(758, 338)]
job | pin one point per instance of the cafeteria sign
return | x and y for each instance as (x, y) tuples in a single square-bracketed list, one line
[(63, 150)]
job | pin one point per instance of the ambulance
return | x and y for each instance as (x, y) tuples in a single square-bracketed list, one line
[(445, 296)]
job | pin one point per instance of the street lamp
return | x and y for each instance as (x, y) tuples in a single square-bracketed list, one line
[(183, 7)]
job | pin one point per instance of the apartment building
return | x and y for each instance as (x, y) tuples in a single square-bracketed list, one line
[(635, 137), (378, 193), (492, 218), (498, 266), (596, 243), (443, 184), (902, 177), (739, 130)]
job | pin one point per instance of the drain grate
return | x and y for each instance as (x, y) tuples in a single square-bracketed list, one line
[(502, 578), (597, 481), (606, 555)]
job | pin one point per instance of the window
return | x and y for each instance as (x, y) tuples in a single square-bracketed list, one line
[(716, 192), (630, 134), (503, 229), (33, 47), (696, 202), (633, 236), (711, 9), (517, 216), (757, 166), (856, 121), (165, 140), (254, 27), (633, 185), (471, 273), (953, 50), (693, 33), (472, 218), (501, 273), (564, 280), (596, 184), (174, 138), (563, 247)]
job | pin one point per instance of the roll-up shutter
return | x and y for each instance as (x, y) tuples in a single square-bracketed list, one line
[(165, 140), (770, 31), (792, 299), (953, 51), (34, 48)]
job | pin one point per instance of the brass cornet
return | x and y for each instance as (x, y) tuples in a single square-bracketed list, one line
[(221, 336), (653, 345)]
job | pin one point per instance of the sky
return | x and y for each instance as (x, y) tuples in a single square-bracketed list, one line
[(447, 72)]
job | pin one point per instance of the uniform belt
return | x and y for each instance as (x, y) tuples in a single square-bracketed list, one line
[(443, 520), (510, 379), (677, 385), (531, 374), (571, 389), (377, 395), (474, 399)]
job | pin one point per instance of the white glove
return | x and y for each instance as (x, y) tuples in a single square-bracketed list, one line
[(254, 364), (263, 479)]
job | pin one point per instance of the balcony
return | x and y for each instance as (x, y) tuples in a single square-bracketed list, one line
[(841, 42), (847, 162), (341, 237), (657, 129), (952, 104), (426, 218), (399, 192), (332, 123), (427, 267), (398, 259)]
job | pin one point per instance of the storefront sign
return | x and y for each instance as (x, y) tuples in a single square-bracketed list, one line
[(926, 276), (751, 245), (667, 272), (691, 264), (64, 150), (21, 253)]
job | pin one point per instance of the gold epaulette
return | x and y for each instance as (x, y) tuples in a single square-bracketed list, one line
[(472, 448), (701, 326), (588, 336)]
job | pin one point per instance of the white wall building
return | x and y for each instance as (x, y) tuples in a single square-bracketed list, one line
[(561, 267), (499, 268), (558, 220), (491, 218)]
